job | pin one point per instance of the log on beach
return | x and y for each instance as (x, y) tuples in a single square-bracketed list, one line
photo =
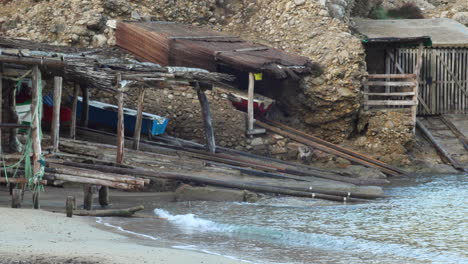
[(127, 212)]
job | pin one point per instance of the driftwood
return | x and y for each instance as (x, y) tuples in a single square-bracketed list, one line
[(110, 212), (207, 121), (55, 129)]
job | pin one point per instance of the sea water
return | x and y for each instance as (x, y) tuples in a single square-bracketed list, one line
[(425, 221)]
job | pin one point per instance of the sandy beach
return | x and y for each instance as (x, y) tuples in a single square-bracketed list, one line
[(40, 236)]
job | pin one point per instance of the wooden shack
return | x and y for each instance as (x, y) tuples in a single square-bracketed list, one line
[(392, 48)]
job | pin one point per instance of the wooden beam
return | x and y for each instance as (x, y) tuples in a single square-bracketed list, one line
[(55, 129), (391, 94), (392, 76), (74, 109), (85, 106), (201, 37), (390, 83), (120, 123), (138, 119), (207, 121), (1, 105), (35, 128), (12, 126), (417, 71), (391, 102)]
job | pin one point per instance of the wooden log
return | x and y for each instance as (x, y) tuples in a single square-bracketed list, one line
[(74, 109), (391, 76), (35, 129), (93, 181), (18, 180), (127, 212), (390, 94), (16, 198), (391, 102), (417, 71), (439, 148), (385, 83), (139, 119), (69, 206), (95, 174), (88, 197), (207, 120), (55, 129), (120, 125), (85, 106), (104, 196), (14, 144), (13, 126)]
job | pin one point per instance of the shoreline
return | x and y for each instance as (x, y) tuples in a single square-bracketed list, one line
[(38, 236)]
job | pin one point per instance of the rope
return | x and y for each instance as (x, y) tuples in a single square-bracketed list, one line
[(33, 180)]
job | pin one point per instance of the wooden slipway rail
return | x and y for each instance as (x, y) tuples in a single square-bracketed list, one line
[(328, 147)]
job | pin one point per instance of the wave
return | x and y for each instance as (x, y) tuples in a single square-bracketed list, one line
[(99, 221), (313, 240)]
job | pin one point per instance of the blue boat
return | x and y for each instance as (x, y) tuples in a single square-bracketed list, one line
[(105, 115)]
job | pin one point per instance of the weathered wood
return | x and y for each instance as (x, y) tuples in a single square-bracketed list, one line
[(55, 129), (104, 196), (207, 120), (14, 143), (439, 148), (18, 180), (74, 109), (390, 94), (12, 126), (93, 181), (250, 103), (16, 198), (138, 119), (417, 71), (1, 105), (391, 102), (85, 106), (88, 197), (391, 76), (69, 206), (35, 129), (120, 122), (127, 212), (385, 83)]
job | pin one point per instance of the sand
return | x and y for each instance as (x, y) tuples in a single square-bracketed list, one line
[(37, 236)]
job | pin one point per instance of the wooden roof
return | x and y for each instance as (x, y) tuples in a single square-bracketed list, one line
[(443, 32), (186, 45)]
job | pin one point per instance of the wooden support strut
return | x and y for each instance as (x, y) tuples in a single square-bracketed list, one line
[(85, 106), (55, 129), (138, 119), (250, 104), (35, 129), (207, 120), (74, 109), (417, 71), (120, 124)]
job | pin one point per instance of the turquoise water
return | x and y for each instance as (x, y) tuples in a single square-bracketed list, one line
[(424, 222)]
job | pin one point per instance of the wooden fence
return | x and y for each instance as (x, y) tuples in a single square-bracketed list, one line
[(443, 82)]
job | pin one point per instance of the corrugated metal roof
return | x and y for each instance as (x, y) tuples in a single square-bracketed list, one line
[(443, 32)]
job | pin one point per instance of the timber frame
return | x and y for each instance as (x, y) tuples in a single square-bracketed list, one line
[(110, 69)]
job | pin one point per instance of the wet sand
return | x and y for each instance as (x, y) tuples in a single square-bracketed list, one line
[(39, 236)]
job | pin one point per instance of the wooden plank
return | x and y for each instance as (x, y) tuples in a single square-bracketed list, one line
[(55, 129), (390, 94), (120, 123), (201, 37), (392, 76), (74, 108), (139, 119), (391, 102), (449, 72), (385, 83), (439, 147)]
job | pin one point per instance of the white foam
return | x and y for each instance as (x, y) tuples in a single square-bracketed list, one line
[(190, 221), (99, 221)]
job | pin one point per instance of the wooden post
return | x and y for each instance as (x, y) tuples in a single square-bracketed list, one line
[(85, 108), (16, 198), (417, 70), (250, 104), (209, 132), (1, 104), (104, 196), (35, 128), (74, 107), (14, 144), (120, 124), (69, 206), (88, 196), (56, 113), (139, 119)]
